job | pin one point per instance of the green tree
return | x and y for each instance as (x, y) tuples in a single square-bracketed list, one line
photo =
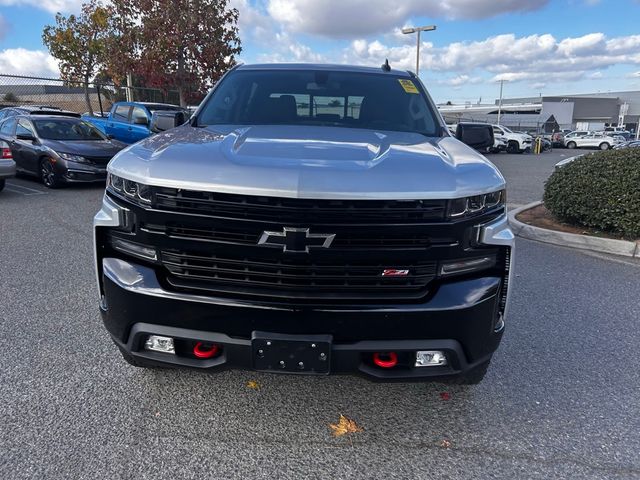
[(181, 44), (79, 43)]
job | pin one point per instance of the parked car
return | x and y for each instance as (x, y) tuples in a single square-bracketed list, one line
[(267, 236), (557, 139), (499, 145), (33, 110), (546, 143), (58, 149), (130, 122), (594, 140), (630, 144), (7, 165), (577, 134), (621, 131), (516, 142)]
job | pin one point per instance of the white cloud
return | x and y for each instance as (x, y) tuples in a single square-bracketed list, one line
[(53, 6), (461, 80), (20, 61), (535, 58), (353, 18)]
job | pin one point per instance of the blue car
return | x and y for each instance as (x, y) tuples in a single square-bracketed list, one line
[(130, 122)]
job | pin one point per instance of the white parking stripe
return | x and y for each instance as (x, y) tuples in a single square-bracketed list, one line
[(15, 188)]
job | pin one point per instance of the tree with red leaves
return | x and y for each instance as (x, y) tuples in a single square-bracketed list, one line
[(174, 44)]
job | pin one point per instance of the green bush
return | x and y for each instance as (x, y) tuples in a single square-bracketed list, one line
[(599, 191)]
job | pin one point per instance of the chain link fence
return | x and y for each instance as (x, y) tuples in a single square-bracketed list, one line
[(17, 90), (535, 127)]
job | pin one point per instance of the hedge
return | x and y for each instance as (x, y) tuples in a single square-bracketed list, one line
[(599, 191)]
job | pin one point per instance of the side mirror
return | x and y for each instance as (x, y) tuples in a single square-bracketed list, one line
[(476, 135), (140, 121), (26, 136), (167, 119)]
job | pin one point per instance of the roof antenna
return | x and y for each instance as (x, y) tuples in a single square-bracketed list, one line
[(385, 66)]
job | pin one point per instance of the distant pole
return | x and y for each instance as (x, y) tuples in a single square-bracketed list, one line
[(418, 54), (500, 102), (129, 90), (418, 30)]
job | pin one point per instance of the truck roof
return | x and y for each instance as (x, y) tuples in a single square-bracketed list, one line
[(322, 66)]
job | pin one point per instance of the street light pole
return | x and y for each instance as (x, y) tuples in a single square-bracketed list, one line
[(418, 30), (500, 101)]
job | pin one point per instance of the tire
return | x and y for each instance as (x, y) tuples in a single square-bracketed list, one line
[(136, 362), (571, 145), (2, 182), (472, 377), (513, 147), (48, 177), (605, 146)]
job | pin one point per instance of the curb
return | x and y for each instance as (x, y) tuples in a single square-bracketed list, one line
[(572, 240)]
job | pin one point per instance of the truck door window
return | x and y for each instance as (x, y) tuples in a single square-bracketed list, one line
[(121, 113), (138, 113)]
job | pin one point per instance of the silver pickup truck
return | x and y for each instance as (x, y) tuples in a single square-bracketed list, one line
[(308, 219)]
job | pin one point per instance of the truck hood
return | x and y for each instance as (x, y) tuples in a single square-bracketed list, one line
[(309, 162)]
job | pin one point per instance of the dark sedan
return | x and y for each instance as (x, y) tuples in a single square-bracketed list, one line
[(58, 149)]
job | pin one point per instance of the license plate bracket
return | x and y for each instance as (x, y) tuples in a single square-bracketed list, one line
[(301, 354)]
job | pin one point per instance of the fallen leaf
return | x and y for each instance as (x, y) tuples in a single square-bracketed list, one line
[(445, 443), (445, 395), (345, 425), (253, 385)]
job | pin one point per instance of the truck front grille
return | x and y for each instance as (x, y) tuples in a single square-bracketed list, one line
[(302, 278), (210, 244)]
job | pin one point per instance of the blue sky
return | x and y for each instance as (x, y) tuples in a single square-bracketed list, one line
[(538, 46)]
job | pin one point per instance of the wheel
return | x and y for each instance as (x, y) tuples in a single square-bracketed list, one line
[(472, 377), (571, 145), (47, 175), (2, 182), (136, 362), (605, 146), (513, 147)]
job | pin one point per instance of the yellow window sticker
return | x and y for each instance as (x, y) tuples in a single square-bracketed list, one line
[(408, 86)]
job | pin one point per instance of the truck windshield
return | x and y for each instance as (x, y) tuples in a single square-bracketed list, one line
[(67, 129), (321, 98)]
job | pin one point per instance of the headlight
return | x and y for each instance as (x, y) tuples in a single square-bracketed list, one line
[(135, 191), (73, 158), (469, 206)]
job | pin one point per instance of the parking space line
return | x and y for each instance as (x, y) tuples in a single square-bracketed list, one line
[(12, 187)]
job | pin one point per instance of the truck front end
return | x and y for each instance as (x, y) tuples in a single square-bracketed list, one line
[(306, 249)]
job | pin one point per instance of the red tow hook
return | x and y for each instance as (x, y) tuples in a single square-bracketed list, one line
[(386, 359), (202, 350)]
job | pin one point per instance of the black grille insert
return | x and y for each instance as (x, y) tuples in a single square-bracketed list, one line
[(296, 279)]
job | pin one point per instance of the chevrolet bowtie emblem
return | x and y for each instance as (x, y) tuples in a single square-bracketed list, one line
[(296, 239)]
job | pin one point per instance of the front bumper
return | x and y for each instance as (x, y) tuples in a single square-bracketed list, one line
[(460, 320), (7, 169), (75, 172)]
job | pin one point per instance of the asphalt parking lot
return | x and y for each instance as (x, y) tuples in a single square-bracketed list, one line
[(560, 401)]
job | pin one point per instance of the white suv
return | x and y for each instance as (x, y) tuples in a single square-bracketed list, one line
[(516, 142), (593, 140)]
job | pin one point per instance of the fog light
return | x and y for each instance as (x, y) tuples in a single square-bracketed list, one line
[(468, 265), (430, 358), (158, 343), (134, 249)]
